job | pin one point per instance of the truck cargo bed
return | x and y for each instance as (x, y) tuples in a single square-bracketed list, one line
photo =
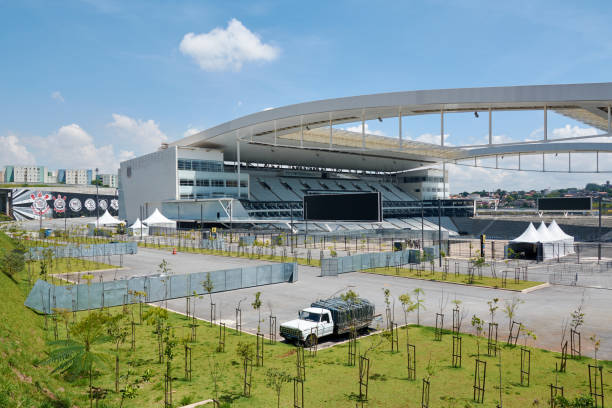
[(359, 312)]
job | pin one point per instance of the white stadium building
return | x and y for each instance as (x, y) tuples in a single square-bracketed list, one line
[(255, 170)]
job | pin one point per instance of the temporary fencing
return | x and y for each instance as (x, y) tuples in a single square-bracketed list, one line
[(45, 297), (84, 250), (353, 263)]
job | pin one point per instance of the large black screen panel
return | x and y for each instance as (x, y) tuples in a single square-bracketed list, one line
[(565, 204), (366, 207)]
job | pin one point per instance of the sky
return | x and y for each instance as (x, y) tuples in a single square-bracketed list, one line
[(89, 83)]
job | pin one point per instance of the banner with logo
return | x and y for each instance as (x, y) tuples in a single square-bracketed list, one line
[(29, 204)]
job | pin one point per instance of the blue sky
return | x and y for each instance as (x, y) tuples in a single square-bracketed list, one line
[(89, 83)]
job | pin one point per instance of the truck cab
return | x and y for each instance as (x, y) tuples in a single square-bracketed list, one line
[(312, 323)]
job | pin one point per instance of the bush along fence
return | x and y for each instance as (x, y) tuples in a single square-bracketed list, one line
[(46, 298), (353, 263), (85, 250)]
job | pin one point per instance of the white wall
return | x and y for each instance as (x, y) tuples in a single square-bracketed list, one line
[(153, 179), (197, 153)]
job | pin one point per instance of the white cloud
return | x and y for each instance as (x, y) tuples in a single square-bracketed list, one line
[(126, 155), (191, 131), (267, 109), (573, 131), (144, 134), (223, 49), (466, 178), (57, 95), (14, 152), (433, 139), (501, 139), (72, 147), (357, 128)]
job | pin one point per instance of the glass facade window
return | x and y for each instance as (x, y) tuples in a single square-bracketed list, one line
[(202, 183), (231, 183), (217, 183), (200, 165), (186, 196), (431, 179), (243, 183), (185, 182)]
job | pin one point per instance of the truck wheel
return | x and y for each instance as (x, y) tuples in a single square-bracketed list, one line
[(310, 340)]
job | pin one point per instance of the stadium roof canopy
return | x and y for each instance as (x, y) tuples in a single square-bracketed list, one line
[(304, 134)]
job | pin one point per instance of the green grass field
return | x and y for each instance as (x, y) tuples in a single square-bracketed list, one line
[(300, 261), (61, 266), (330, 382), (462, 279)]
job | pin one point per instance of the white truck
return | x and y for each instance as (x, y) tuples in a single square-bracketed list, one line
[(327, 317)]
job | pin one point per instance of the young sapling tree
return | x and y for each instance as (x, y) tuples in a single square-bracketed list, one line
[(596, 341), (510, 310), (407, 306), (208, 287), (275, 379), (256, 304), (477, 324), (420, 303), (387, 294), (493, 306)]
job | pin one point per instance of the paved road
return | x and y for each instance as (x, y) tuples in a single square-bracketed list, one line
[(543, 311)]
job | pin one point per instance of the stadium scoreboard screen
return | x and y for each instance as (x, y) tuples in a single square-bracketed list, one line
[(364, 207), (565, 204)]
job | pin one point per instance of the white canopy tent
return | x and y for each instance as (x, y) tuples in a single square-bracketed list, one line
[(530, 235), (544, 234), (565, 241), (157, 219), (106, 220), (138, 229), (548, 248), (542, 243), (525, 245)]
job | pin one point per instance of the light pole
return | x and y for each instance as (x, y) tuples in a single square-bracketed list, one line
[(599, 231), (422, 226), (97, 202), (440, 232)]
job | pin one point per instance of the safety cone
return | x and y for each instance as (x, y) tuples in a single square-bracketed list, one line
[(173, 251)]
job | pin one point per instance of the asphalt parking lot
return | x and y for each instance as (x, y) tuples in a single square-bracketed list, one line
[(543, 310)]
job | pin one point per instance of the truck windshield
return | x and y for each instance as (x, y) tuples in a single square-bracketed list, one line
[(313, 317)]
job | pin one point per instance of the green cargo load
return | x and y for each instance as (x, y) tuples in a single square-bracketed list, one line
[(345, 313)]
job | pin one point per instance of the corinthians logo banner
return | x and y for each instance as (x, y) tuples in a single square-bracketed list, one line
[(32, 204)]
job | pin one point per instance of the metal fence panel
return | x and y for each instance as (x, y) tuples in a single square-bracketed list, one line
[(44, 296), (353, 263), (233, 279), (78, 251)]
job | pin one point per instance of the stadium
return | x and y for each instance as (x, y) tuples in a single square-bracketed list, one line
[(254, 171)]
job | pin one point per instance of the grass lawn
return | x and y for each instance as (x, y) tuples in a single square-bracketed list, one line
[(462, 279), (65, 265), (42, 243), (330, 382), (300, 261)]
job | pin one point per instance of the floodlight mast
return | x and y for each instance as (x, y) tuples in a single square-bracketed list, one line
[(97, 202)]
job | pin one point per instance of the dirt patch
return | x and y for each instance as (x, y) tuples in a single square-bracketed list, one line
[(22, 377), (287, 354), (49, 394)]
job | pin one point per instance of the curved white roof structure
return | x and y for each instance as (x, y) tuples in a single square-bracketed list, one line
[(304, 134)]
